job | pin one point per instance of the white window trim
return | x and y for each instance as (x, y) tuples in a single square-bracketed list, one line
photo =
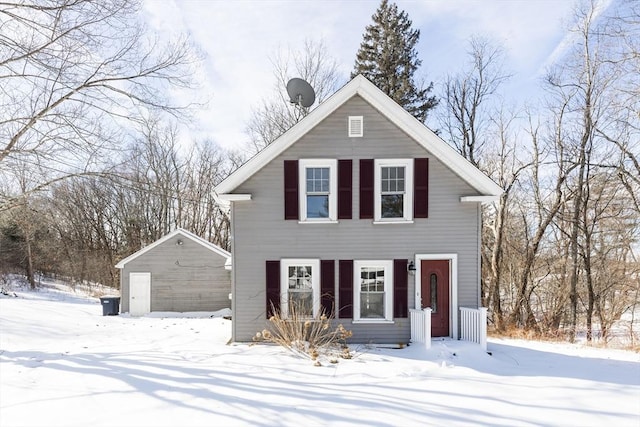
[(408, 191), (284, 283), (388, 290), (332, 164)]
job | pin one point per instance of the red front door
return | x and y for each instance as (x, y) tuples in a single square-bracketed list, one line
[(434, 280)]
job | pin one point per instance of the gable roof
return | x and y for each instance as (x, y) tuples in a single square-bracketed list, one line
[(390, 109), (184, 233)]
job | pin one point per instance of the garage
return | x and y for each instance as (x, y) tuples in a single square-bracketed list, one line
[(180, 272)]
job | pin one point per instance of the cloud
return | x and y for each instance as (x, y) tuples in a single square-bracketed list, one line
[(239, 37), (570, 37)]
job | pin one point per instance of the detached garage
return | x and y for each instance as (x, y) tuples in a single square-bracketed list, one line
[(180, 272)]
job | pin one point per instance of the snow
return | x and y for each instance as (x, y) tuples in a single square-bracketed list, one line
[(64, 364)]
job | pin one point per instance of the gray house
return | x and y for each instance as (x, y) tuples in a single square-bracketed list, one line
[(362, 211), (179, 272)]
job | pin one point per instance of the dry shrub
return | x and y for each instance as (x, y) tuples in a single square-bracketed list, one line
[(526, 334), (313, 338), (561, 336)]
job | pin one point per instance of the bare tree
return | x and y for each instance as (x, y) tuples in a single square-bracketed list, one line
[(585, 81), (623, 53), (547, 178), (155, 174), (471, 118), (610, 228), (208, 165), (505, 166), (85, 216), (73, 73), (468, 98), (276, 114), (150, 190), (21, 233)]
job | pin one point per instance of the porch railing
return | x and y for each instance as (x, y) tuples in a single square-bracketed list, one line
[(473, 325), (421, 326)]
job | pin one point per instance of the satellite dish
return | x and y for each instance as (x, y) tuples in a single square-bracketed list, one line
[(301, 93)]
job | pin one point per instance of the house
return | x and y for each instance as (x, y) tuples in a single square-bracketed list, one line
[(362, 211), (179, 272)]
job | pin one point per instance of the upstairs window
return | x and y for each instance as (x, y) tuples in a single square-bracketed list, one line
[(393, 190), (318, 190)]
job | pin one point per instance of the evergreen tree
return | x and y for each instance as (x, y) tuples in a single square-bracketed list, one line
[(388, 58)]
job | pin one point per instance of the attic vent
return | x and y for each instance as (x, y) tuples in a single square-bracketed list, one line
[(356, 126)]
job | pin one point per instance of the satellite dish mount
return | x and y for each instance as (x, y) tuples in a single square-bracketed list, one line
[(301, 93)]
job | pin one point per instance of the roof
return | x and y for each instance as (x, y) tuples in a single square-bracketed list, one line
[(389, 108), (187, 235)]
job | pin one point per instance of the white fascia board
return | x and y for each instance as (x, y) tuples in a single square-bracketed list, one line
[(234, 197), (147, 248), (207, 244), (432, 143), (398, 115), (287, 139), (479, 199), (178, 231)]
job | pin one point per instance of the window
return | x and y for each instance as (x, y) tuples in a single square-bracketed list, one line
[(318, 190), (393, 189), (373, 294), (392, 192), (300, 287)]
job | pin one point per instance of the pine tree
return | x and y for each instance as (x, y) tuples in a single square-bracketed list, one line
[(388, 58)]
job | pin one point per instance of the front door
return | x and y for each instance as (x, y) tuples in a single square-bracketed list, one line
[(434, 280), (139, 293)]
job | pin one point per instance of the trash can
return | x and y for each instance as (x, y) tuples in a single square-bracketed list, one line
[(110, 305)]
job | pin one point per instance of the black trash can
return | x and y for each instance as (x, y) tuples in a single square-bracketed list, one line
[(110, 306)]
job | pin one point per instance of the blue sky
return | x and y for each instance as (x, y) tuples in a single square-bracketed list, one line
[(238, 37)]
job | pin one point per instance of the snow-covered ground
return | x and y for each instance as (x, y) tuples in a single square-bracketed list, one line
[(64, 364)]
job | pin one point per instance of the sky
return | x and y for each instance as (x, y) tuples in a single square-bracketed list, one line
[(62, 363), (238, 38)]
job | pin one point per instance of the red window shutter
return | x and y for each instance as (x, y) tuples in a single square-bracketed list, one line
[(421, 188), (291, 189), (366, 188), (327, 285), (273, 287), (345, 184), (400, 289), (345, 289)]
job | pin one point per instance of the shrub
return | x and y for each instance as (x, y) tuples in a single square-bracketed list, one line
[(314, 338)]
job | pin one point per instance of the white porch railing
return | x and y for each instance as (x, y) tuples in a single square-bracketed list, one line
[(421, 326), (473, 325)]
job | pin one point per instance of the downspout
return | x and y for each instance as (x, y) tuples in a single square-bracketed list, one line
[(479, 252), (233, 272)]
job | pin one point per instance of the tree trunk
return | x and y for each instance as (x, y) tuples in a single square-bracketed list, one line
[(496, 258), (30, 272)]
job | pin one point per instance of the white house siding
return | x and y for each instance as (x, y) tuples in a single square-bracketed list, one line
[(260, 232), (187, 277)]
